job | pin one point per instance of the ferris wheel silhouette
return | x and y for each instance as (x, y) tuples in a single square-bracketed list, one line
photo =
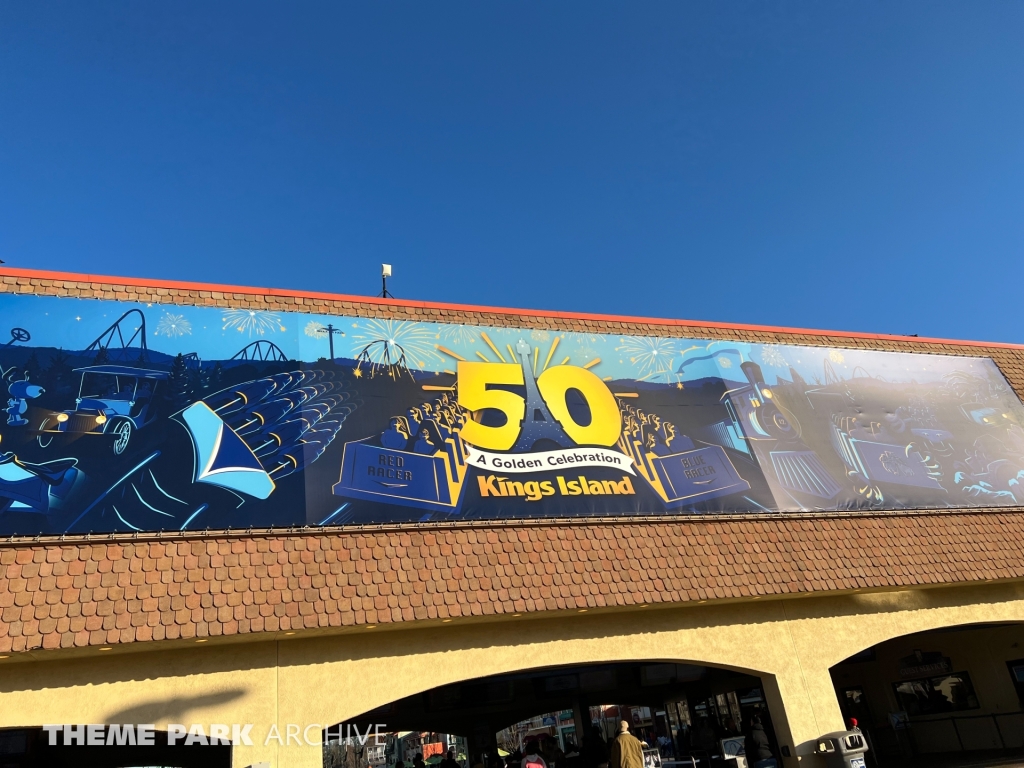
[(18, 335)]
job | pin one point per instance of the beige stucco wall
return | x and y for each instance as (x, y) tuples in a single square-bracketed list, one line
[(327, 679)]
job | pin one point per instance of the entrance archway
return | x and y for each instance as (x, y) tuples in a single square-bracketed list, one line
[(948, 696), (688, 713)]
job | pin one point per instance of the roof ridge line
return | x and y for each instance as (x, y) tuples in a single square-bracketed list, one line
[(33, 274)]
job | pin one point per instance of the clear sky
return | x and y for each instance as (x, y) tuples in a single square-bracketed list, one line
[(836, 165)]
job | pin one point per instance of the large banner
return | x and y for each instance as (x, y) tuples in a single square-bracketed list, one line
[(135, 417)]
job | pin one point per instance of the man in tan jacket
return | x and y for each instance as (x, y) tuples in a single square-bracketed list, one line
[(626, 750)]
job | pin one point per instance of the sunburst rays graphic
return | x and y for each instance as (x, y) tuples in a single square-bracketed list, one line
[(252, 321), (173, 326), (540, 356), (393, 347), (652, 355)]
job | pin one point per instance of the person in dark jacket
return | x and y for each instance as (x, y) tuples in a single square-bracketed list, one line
[(550, 751), (683, 739), (594, 751), (758, 748), (704, 737)]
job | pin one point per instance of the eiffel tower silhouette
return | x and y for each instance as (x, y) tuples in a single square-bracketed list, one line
[(538, 423)]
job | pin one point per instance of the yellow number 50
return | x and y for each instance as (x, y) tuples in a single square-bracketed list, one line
[(475, 395)]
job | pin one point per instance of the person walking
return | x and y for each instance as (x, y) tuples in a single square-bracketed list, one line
[(704, 736), (550, 751), (626, 750), (759, 751), (594, 752), (532, 757)]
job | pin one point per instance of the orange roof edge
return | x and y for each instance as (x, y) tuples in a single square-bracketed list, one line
[(39, 274)]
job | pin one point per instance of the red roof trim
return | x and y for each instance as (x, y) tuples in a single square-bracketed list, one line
[(213, 287)]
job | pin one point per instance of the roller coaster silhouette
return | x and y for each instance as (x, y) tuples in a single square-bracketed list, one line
[(116, 332), (120, 337), (262, 350)]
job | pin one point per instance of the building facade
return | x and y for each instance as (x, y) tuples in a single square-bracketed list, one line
[(898, 604)]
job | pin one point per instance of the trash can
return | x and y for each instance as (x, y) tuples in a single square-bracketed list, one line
[(843, 749)]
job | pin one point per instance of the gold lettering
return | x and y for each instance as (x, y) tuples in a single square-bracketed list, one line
[(487, 486)]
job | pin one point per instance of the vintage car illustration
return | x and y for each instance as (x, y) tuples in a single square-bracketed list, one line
[(113, 400)]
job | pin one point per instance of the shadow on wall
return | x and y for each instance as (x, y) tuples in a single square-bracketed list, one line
[(172, 710), (165, 660)]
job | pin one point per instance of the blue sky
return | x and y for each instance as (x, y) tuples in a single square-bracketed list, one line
[(831, 165)]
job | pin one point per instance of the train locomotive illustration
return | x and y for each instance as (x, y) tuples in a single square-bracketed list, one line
[(865, 442), (772, 433)]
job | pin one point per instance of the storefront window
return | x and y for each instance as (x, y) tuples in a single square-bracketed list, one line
[(935, 695), (1016, 668)]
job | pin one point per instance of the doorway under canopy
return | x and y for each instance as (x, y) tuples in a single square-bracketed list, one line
[(686, 714)]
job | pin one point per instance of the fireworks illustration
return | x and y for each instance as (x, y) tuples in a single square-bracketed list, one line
[(651, 355), (252, 321), (586, 354), (172, 326), (771, 355), (580, 340), (314, 329), (587, 347), (456, 334), (581, 337), (393, 348), (725, 362), (539, 335), (836, 356)]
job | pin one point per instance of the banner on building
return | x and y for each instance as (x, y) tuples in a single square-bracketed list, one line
[(137, 417)]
